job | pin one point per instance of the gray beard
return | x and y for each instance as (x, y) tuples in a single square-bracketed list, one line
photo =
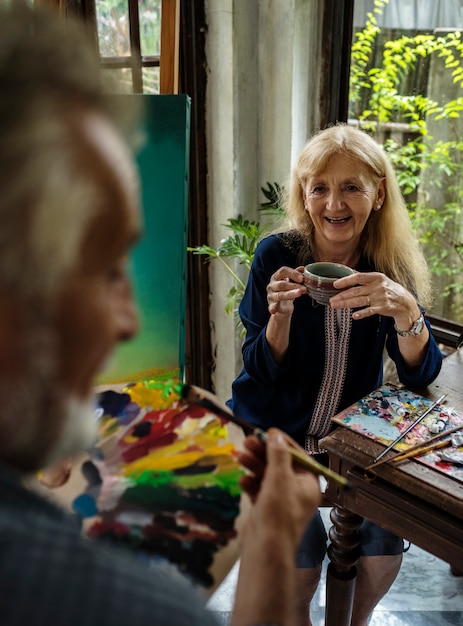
[(40, 423), (78, 433)]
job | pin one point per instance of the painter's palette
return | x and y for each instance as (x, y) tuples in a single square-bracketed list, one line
[(163, 478), (388, 411)]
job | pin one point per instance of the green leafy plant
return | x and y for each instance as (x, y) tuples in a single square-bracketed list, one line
[(380, 104), (240, 247)]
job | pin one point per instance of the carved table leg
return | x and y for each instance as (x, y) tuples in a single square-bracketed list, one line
[(343, 553)]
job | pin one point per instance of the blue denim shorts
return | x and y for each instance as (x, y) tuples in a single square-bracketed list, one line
[(374, 541)]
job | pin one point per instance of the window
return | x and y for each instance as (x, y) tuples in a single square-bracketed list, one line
[(129, 40), (406, 87), (130, 35)]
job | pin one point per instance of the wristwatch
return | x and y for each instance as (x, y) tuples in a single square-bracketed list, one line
[(416, 328)]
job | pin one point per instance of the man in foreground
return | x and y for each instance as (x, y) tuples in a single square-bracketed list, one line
[(69, 215)]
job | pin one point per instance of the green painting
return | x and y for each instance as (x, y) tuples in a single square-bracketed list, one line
[(158, 262)]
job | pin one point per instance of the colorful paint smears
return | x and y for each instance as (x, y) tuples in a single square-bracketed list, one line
[(388, 411), (163, 478)]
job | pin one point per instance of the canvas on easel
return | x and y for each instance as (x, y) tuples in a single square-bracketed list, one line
[(158, 263)]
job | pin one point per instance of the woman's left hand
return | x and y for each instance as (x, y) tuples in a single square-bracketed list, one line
[(373, 293)]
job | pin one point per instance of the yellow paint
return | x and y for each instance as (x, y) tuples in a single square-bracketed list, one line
[(177, 456)]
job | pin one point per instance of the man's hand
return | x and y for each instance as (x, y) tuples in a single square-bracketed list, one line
[(287, 494), (285, 499)]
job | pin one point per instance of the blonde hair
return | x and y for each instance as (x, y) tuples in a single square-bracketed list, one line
[(388, 240)]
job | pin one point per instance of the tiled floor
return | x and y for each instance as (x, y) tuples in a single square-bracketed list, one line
[(424, 594)]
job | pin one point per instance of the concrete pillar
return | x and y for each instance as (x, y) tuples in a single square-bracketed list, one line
[(262, 99)]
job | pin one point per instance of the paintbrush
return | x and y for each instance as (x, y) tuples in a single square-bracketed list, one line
[(432, 446), (198, 396), (409, 428), (419, 448)]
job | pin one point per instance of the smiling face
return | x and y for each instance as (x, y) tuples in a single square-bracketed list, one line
[(339, 201)]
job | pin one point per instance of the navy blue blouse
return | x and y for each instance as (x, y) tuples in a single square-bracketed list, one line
[(270, 394)]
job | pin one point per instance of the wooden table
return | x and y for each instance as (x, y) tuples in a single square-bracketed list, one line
[(415, 502)]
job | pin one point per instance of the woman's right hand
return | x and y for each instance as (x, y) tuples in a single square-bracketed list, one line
[(285, 285)]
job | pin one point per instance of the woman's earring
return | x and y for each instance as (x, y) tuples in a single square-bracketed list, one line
[(378, 206)]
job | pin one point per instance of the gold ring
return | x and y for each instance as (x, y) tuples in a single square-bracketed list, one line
[(368, 300)]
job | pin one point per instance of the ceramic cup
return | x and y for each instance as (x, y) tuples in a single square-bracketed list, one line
[(319, 279)]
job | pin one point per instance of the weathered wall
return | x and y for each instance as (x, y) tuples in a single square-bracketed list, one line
[(262, 104)]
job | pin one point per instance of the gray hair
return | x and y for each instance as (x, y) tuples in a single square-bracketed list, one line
[(49, 75)]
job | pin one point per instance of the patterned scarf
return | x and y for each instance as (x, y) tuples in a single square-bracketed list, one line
[(338, 325)]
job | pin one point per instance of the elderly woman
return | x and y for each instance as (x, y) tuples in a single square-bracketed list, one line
[(304, 362)]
